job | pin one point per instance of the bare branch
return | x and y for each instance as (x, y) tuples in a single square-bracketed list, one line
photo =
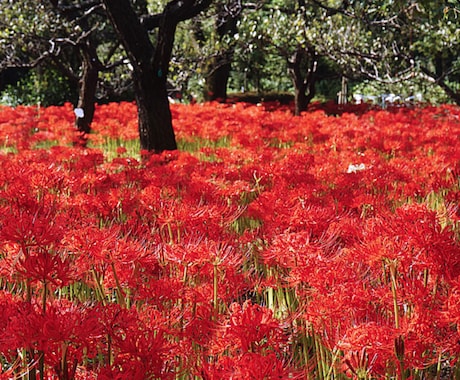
[(75, 8), (66, 70)]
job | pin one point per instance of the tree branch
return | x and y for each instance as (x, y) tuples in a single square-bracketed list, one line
[(176, 11), (74, 8), (439, 80)]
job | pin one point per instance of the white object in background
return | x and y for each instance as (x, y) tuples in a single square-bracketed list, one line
[(79, 113), (355, 168)]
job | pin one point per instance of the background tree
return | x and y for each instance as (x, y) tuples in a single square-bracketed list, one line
[(257, 65), (291, 46), (69, 37), (430, 37), (280, 33), (86, 45), (26, 29), (218, 65), (386, 42), (288, 29), (150, 62), (392, 41)]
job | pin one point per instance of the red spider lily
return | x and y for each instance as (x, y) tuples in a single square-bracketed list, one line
[(358, 364), (115, 120), (31, 223), (10, 307), (45, 266), (249, 366), (157, 256), (222, 368), (374, 342), (451, 316), (58, 337), (416, 240), (453, 305), (252, 328), (137, 342), (69, 336)]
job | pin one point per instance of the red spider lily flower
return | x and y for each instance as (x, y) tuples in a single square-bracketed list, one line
[(414, 238), (376, 341), (451, 316), (199, 328), (257, 366), (45, 266), (121, 262), (32, 224), (11, 306), (201, 262), (134, 371), (138, 341), (216, 369), (116, 120), (252, 328), (70, 333), (453, 303), (23, 327), (249, 366), (60, 337), (121, 150), (169, 242), (358, 364)]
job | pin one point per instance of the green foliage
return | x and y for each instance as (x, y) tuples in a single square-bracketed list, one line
[(111, 148), (26, 29), (42, 85), (384, 46), (258, 66)]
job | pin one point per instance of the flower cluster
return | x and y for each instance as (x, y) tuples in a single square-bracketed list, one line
[(270, 246)]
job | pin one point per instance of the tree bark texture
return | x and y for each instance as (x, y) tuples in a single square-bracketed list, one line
[(151, 63), (87, 87), (303, 72), (219, 67), (217, 79), (149, 75)]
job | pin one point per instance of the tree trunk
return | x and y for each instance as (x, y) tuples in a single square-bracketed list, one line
[(155, 121), (451, 93), (87, 88), (150, 67), (303, 72), (217, 79), (219, 67), (151, 64), (300, 99), (439, 80), (87, 82)]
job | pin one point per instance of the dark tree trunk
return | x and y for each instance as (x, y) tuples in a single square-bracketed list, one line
[(151, 64), (219, 67), (150, 67), (453, 95), (300, 100), (87, 88), (217, 80), (439, 79), (155, 122), (302, 67), (88, 80)]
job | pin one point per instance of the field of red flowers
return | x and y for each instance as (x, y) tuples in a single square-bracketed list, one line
[(325, 246)]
